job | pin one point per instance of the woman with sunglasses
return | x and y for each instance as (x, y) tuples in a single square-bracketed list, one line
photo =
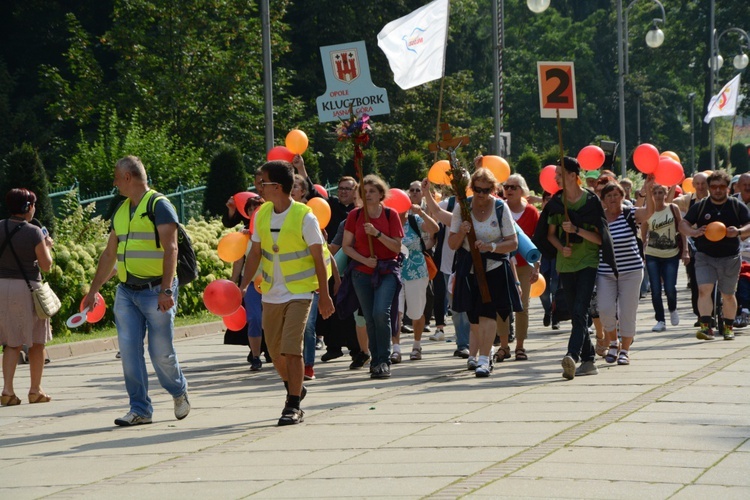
[(665, 246), (526, 216), (495, 239), (618, 288)]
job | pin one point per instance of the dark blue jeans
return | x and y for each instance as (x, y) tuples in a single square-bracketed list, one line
[(376, 308), (578, 288), (661, 269), (547, 269)]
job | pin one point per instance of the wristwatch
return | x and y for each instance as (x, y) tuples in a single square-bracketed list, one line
[(168, 292)]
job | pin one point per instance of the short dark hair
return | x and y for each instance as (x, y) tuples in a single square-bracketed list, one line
[(571, 165), (612, 186), (719, 175), (19, 200), (282, 172)]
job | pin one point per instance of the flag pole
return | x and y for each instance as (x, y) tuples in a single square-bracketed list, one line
[(440, 112), (563, 171), (731, 138)]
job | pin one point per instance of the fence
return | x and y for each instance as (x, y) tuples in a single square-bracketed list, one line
[(188, 202)]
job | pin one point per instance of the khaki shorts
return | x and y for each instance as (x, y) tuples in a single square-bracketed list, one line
[(725, 270), (284, 327)]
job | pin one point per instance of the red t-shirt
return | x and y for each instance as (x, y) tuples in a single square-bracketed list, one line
[(527, 222), (389, 226)]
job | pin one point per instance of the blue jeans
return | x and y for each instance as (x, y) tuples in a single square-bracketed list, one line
[(135, 313), (663, 269), (460, 322), (309, 346), (254, 312), (376, 308), (578, 288)]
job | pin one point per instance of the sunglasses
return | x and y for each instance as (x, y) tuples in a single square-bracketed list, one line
[(479, 190), (344, 188), (512, 187), (415, 190)]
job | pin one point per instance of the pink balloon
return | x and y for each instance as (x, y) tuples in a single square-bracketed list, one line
[(240, 201), (669, 173), (646, 158), (237, 320), (280, 153), (320, 189), (547, 179), (222, 297), (591, 157), (397, 200)]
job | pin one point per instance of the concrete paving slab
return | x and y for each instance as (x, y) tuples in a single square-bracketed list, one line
[(702, 491), (514, 487)]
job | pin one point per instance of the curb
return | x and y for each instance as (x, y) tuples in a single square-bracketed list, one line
[(87, 347)]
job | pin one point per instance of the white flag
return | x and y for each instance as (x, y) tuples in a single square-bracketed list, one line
[(415, 44), (725, 102)]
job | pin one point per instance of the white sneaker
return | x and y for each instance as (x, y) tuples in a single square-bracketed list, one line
[(439, 335), (674, 318), (181, 406), (660, 326)]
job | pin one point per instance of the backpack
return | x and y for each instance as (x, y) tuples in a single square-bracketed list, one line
[(187, 264), (629, 214)]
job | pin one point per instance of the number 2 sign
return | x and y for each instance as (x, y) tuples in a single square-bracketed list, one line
[(557, 89)]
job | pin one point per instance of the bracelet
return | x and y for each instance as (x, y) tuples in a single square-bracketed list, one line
[(494, 247), (380, 233), (518, 283)]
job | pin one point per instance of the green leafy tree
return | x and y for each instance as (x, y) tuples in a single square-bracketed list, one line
[(409, 167), (226, 176), (739, 158), (22, 168), (529, 165)]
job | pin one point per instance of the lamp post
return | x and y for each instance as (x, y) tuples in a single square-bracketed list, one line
[(654, 38), (715, 63), (691, 98), (498, 91)]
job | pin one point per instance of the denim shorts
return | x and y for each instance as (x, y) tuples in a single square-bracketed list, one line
[(725, 270)]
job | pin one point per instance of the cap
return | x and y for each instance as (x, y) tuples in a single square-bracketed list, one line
[(735, 179), (592, 174)]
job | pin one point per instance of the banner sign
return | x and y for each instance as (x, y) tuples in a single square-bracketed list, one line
[(348, 84), (557, 89)]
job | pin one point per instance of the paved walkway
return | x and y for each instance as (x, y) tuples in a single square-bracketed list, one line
[(673, 424)]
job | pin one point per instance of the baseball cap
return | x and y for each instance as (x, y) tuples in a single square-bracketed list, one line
[(591, 174)]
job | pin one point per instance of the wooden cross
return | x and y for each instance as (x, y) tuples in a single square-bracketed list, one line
[(447, 141)]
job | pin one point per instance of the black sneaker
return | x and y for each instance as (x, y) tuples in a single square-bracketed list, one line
[(546, 319), (359, 360), (406, 329), (329, 355), (291, 416), (381, 371), (256, 364)]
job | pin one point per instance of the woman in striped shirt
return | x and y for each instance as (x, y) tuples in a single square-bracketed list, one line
[(618, 290)]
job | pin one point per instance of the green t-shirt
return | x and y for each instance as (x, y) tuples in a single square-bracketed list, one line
[(585, 254)]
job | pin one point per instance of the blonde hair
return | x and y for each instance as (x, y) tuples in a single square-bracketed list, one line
[(379, 184), (484, 174)]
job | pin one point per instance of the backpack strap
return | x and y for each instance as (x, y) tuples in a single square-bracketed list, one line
[(415, 227), (152, 215)]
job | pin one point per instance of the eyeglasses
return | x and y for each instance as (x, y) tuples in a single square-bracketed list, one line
[(479, 190), (415, 190), (718, 186), (512, 187), (344, 188), (269, 183)]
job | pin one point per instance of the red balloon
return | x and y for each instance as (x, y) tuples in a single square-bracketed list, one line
[(646, 158), (237, 320), (97, 313), (280, 153), (547, 179), (240, 201), (252, 221), (669, 173), (591, 157), (397, 200), (320, 189), (222, 297)]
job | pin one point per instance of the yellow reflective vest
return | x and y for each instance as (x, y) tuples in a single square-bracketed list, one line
[(137, 253), (295, 259)]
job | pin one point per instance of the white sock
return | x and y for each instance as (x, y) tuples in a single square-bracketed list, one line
[(483, 360), (397, 348), (417, 345)]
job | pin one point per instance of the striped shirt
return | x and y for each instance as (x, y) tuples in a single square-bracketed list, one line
[(626, 247)]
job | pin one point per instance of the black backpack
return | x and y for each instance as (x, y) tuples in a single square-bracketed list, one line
[(187, 264)]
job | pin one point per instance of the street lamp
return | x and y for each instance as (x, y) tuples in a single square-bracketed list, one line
[(498, 92), (715, 62), (691, 98), (654, 39)]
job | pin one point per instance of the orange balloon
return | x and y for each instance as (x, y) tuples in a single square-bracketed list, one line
[(687, 185), (715, 231), (469, 192), (438, 173), (232, 246), (296, 141), (498, 166), (672, 155), (322, 211), (538, 288)]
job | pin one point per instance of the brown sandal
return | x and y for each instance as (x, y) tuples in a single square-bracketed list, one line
[(39, 397), (502, 354), (9, 400), (521, 354)]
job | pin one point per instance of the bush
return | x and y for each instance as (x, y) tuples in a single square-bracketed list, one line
[(23, 169), (529, 165), (226, 176), (81, 240), (739, 158), (409, 168)]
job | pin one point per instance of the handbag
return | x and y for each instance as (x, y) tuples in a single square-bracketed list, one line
[(46, 302)]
